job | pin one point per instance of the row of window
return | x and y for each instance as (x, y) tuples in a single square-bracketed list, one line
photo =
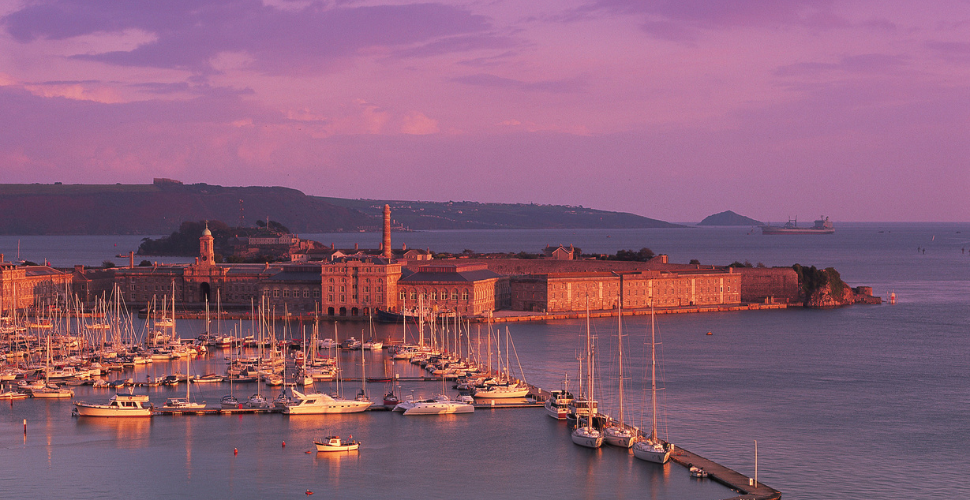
[(432, 295)]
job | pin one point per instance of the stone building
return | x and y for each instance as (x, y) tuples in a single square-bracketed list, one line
[(31, 288), (468, 289), (355, 286), (573, 292)]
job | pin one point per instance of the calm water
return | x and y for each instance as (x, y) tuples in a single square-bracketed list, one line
[(861, 402)]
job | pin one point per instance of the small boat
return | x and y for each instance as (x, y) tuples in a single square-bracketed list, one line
[(10, 395), (120, 405), (230, 402), (441, 405), (557, 406), (317, 403), (334, 443), (697, 472), (209, 378), (182, 404)]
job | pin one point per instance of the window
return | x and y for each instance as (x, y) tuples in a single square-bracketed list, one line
[(316, 294), (434, 295), (414, 295), (403, 294), (454, 294), (464, 295), (286, 293), (306, 294), (329, 298), (276, 293)]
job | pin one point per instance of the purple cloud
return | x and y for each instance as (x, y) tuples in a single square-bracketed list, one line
[(553, 86), (189, 33)]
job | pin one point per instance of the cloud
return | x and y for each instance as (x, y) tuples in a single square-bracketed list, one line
[(862, 63), (958, 52), (215, 34), (573, 85), (684, 20), (416, 123)]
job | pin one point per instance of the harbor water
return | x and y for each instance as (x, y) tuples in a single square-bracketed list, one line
[(859, 402)]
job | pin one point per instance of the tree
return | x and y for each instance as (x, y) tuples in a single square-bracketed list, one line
[(108, 264), (145, 263), (695, 261)]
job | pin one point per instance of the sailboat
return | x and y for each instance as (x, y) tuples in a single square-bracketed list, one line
[(652, 448), (586, 434), (617, 433), (186, 402), (48, 390)]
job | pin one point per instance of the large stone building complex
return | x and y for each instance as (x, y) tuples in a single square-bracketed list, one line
[(358, 283)]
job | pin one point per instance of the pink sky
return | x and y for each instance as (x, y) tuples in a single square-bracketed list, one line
[(673, 110)]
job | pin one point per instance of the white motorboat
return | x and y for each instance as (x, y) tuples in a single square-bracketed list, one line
[(120, 405), (557, 405), (502, 391), (334, 443), (440, 405), (182, 404), (317, 403)]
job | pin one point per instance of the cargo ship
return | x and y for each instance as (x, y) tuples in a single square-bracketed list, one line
[(822, 226)]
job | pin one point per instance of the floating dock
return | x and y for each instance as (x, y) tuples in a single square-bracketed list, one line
[(749, 488)]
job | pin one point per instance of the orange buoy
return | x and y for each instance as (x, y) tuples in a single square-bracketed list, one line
[(709, 333), (235, 451), (308, 492), (284, 444)]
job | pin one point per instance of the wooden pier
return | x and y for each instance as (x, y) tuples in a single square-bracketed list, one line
[(749, 489)]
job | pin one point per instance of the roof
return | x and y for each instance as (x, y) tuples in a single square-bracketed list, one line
[(462, 276)]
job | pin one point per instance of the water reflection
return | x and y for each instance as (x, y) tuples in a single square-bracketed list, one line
[(128, 433)]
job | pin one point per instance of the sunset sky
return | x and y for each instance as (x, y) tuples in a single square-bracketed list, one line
[(674, 110)]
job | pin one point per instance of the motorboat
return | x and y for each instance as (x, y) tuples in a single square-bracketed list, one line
[(10, 395), (334, 443), (502, 391), (697, 472), (318, 403), (557, 405), (120, 405), (440, 405), (182, 404)]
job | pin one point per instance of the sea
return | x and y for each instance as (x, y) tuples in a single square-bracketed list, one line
[(859, 402)]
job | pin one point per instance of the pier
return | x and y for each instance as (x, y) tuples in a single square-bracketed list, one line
[(749, 488)]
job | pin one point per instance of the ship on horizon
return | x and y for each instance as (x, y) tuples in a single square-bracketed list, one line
[(822, 226)]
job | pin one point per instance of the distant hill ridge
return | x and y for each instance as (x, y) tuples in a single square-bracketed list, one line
[(161, 207), (729, 218)]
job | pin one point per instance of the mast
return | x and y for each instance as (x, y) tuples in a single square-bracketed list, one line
[(653, 373), (619, 324)]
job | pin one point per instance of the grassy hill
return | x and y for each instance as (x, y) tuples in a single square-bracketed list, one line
[(161, 208)]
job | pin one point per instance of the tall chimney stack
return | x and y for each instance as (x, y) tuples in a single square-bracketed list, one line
[(387, 232)]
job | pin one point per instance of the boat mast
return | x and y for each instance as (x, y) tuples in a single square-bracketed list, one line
[(619, 327), (653, 373)]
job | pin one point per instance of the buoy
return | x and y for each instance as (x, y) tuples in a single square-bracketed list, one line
[(235, 451), (710, 333), (308, 451), (308, 492), (284, 444)]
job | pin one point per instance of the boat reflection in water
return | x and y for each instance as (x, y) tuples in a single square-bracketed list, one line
[(128, 433)]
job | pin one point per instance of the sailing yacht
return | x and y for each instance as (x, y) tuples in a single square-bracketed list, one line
[(185, 403), (618, 433), (586, 434), (652, 448)]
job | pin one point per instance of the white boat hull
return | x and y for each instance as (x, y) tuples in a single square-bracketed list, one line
[(439, 408), (615, 436), (650, 452), (86, 410), (588, 437)]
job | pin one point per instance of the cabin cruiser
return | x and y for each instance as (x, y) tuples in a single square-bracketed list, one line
[(440, 405), (557, 406), (317, 403), (120, 405)]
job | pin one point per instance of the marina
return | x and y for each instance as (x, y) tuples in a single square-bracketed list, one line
[(757, 373)]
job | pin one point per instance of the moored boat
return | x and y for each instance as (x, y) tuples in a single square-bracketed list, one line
[(317, 403), (120, 405), (334, 443)]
